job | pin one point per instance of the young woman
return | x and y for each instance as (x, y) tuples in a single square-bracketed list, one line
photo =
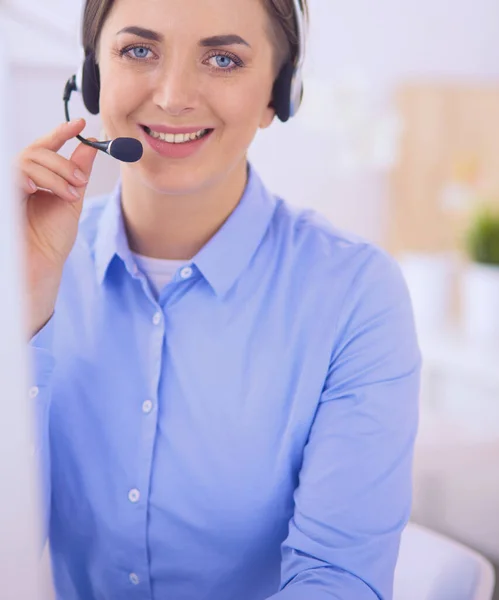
[(226, 387)]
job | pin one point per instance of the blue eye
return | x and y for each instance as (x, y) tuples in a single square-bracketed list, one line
[(136, 53), (223, 61), (140, 52)]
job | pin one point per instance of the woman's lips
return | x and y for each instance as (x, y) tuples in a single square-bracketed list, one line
[(176, 150)]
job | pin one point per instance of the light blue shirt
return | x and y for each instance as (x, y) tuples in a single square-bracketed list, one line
[(248, 435)]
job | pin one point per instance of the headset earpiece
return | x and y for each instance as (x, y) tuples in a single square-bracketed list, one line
[(89, 85), (282, 92), (288, 88)]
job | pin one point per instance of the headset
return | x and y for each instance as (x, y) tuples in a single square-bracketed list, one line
[(287, 93)]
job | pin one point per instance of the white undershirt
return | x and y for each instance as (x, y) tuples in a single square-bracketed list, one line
[(159, 271)]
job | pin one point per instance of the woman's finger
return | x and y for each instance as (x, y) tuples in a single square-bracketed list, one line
[(27, 185), (56, 139), (83, 157), (48, 180), (58, 164)]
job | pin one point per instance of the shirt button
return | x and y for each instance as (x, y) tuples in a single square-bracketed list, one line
[(134, 579), (186, 272), (33, 392), (147, 407), (157, 318), (134, 496)]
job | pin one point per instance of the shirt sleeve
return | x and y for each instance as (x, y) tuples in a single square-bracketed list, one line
[(355, 492), (42, 365)]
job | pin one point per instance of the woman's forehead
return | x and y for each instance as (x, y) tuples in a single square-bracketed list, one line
[(190, 15)]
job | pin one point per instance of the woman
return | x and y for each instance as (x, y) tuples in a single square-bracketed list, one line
[(226, 387)]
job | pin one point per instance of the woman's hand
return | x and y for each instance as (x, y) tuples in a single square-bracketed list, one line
[(52, 190)]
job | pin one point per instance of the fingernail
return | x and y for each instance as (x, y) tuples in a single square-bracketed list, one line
[(74, 191), (80, 175), (32, 185)]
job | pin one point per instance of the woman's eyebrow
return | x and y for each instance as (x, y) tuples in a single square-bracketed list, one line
[(148, 34), (223, 40)]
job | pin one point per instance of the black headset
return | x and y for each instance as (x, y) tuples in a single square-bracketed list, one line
[(287, 93)]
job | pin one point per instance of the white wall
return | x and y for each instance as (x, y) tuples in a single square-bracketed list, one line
[(388, 41), (396, 39)]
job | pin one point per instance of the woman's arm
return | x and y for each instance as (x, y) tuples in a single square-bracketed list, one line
[(354, 495), (42, 367)]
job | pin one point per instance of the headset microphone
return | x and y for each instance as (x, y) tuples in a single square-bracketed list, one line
[(124, 149)]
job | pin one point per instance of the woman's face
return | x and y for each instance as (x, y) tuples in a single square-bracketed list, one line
[(172, 66)]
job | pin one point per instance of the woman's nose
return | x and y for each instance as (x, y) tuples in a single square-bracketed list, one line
[(177, 90)]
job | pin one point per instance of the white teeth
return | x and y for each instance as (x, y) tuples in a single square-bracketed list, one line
[(178, 138)]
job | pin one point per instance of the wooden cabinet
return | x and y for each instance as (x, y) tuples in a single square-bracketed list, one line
[(451, 138)]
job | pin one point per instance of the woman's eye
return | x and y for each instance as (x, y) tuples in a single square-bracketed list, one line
[(223, 62), (139, 52)]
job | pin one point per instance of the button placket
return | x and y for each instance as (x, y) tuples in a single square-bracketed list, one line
[(138, 497)]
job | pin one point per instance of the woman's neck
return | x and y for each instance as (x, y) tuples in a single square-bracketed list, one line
[(176, 227)]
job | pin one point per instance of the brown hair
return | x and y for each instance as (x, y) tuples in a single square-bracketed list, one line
[(284, 29)]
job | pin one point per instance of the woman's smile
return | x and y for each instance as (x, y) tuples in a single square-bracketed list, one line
[(180, 145)]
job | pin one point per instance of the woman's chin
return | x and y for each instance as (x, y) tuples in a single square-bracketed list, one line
[(184, 177), (173, 182)]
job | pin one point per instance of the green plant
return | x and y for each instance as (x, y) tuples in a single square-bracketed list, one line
[(482, 239)]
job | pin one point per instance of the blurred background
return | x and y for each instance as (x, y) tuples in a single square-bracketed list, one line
[(398, 141)]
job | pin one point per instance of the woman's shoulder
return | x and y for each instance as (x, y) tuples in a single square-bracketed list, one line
[(353, 273), (307, 224), (310, 238)]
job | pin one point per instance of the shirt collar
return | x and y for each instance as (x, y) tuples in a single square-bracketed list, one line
[(222, 260), (111, 239)]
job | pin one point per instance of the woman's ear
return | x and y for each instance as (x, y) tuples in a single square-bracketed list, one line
[(267, 117)]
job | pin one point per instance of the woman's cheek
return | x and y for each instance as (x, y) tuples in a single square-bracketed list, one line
[(123, 89), (236, 105)]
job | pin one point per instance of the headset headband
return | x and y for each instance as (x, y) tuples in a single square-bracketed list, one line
[(302, 25)]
